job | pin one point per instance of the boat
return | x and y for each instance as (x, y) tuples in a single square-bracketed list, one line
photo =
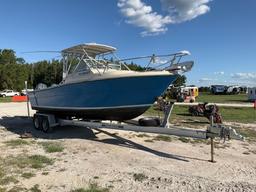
[(97, 85)]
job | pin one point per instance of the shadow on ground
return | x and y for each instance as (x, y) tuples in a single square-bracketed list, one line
[(20, 125), (184, 114)]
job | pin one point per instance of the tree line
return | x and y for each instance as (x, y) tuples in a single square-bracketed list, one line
[(14, 71)]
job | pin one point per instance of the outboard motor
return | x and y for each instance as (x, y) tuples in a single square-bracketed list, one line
[(41, 86)]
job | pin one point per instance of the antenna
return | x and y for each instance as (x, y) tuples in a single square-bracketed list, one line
[(27, 52)]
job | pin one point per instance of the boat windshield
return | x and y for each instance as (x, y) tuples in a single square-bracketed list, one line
[(100, 64), (82, 67)]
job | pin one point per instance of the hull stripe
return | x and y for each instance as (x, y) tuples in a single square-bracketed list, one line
[(91, 108)]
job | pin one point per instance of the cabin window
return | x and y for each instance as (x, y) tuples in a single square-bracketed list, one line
[(114, 66)]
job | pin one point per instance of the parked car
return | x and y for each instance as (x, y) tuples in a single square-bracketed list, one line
[(24, 91), (8, 93)]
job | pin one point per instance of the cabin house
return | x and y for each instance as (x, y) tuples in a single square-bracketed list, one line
[(252, 93)]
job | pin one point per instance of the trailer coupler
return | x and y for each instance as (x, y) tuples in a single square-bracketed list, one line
[(223, 132)]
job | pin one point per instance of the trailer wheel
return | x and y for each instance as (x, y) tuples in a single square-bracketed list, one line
[(149, 121), (37, 122), (45, 125), (195, 113), (192, 100)]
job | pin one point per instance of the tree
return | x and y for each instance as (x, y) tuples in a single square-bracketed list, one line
[(135, 67), (47, 72), (20, 60), (7, 56), (204, 89), (15, 71), (180, 81)]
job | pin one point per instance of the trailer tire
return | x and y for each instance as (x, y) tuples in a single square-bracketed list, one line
[(149, 121), (191, 100), (195, 113), (46, 125), (37, 122)]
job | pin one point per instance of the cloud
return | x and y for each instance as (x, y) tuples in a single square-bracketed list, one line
[(219, 73), (244, 76), (205, 79), (153, 23), (185, 10), (248, 79), (142, 15)]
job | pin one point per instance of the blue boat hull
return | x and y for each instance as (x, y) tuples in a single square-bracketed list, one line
[(110, 99)]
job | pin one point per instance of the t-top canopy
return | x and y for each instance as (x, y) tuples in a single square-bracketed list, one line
[(92, 49)]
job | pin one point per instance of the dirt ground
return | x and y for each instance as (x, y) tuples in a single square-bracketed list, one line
[(125, 161)]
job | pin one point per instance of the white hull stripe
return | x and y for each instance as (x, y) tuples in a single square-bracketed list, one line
[(91, 108)]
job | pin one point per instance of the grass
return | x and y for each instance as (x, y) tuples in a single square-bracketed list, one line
[(39, 161), (163, 138), (52, 147), (139, 177), (33, 161), (5, 99), (7, 180), (247, 133), (241, 115), (184, 139), (35, 188), (142, 135), (16, 189), (4, 178), (28, 175), (210, 98), (229, 114), (2, 172), (93, 187), (16, 142)]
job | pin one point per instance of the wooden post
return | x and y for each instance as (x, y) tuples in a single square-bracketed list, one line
[(26, 87), (212, 151), (212, 143)]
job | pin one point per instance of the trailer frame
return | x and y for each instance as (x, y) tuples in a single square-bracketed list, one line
[(46, 122)]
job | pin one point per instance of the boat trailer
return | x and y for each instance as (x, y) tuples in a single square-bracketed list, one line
[(46, 123)]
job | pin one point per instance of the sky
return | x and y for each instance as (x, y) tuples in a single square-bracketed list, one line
[(220, 34)]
